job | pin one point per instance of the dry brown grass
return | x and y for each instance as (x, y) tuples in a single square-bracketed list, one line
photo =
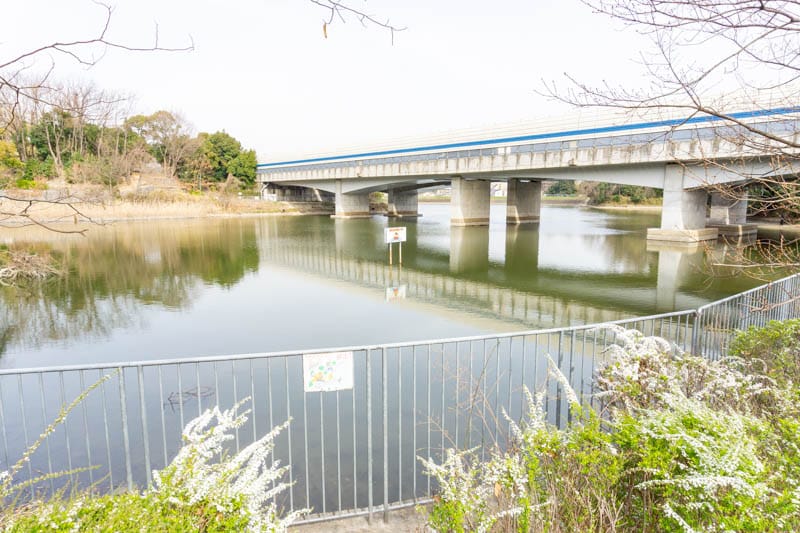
[(84, 204)]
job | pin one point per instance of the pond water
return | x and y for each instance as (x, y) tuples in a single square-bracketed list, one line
[(180, 288)]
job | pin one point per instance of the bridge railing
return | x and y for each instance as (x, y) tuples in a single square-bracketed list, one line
[(351, 451)]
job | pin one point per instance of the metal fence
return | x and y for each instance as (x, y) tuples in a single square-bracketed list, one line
[(351, 451)]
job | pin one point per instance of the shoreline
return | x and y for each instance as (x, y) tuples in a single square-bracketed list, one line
[(627, 208)]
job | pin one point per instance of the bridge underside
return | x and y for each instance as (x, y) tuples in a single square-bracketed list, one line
[(686, 189)]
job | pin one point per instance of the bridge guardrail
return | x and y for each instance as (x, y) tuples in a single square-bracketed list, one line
[(351, 451)]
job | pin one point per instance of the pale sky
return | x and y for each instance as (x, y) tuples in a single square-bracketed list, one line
[(263, 71)]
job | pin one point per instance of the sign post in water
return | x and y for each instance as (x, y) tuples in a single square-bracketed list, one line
[(395, 235)]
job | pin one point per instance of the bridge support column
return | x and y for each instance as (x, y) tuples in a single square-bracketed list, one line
[(351, 205), (729, 215), (524, 201), (469, 202), (683, 214), (403, 204)]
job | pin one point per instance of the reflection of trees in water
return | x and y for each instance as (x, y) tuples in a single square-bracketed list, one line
[(117, 270)]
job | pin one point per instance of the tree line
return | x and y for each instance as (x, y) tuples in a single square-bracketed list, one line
[(83, 134)]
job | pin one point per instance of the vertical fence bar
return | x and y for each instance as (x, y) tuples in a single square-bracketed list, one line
[(457, 385), (3, 427), (385, 372), (47, 441), (85, 430), (428, 408), (123, 406), (199, 391), (338, 455), (181, 395), (66, 426), (443, 425), (370, 486), (235, 399), (399, 424), (161, 409), (289, 432), (305, 450), (145, 431), (25, 427), (252, 400), (108, 440), (322, 450), (354, 450), (414, 415), (510, 371), (470, 393), (484, 399)]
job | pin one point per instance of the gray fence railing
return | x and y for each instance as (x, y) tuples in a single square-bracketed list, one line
[(351, 451)]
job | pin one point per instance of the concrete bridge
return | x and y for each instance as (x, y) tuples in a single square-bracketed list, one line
[(689, 158)]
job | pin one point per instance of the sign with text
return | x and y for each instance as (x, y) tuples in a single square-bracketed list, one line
[(327, 371), (394, 235)]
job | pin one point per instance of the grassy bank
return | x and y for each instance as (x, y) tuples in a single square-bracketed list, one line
[(84, 205), (627, 208)]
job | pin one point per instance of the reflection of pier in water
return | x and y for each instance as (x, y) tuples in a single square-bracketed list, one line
[(528, 308)]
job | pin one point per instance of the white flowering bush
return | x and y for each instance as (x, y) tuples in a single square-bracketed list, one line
[(681, 444), (201, 472), (202, 489), (549, 480), (641, 371)]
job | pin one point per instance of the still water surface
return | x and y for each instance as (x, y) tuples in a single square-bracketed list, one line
[(150, 290)]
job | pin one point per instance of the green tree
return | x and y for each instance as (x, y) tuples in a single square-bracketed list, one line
[(9, 158), (562, 188), (220, 149), (243, 167)]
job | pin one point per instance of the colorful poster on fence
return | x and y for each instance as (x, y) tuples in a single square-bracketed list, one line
[(327, 371)]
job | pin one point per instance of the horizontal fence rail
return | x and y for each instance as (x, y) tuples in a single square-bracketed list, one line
[(352, 451)]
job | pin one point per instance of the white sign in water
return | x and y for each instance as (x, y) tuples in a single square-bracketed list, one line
[(330, 371), (395, 293), (394, 235)]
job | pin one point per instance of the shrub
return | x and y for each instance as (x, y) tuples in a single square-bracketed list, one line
[(683, 444), (777, 345), (202, 489), (549, 479)]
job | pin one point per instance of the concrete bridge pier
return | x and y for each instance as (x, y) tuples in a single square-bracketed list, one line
[(524, 201), (729, 215), (683, 213), (469, 202), (403, 204), (353, 205)]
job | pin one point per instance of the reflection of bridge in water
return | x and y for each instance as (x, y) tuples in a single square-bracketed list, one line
[(466, 278)]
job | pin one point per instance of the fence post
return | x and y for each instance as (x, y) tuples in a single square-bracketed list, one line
[(385, 417), (370, 486), (696, 336)]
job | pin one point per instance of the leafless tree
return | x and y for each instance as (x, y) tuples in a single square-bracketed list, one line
[(24, 94)]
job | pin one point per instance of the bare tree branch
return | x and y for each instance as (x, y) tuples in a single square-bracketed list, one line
[(338, 10)]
